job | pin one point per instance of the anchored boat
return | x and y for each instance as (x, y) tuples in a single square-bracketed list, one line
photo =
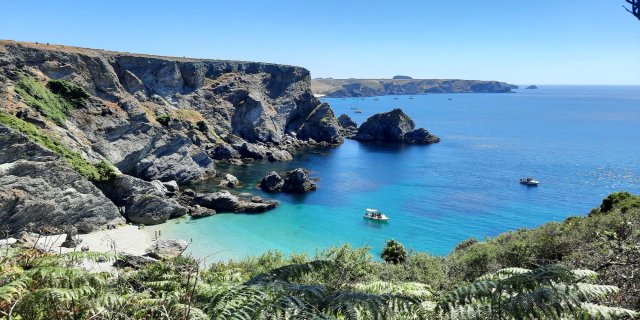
[(374, 214), (529, 181)]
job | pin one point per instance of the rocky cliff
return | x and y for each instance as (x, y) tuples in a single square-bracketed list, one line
[(152, 117), (340, 88)]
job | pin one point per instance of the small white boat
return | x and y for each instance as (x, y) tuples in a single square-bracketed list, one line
[(357, 111), (374, 214), (529, 181)]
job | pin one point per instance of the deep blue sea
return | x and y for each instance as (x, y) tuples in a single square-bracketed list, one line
[(581, 142)]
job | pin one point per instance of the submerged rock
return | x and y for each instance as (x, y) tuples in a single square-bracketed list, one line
[(393, 126)]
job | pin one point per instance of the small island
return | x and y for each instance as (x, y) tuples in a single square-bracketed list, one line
[(533, 86)]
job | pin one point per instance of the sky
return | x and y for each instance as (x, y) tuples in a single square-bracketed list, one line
[(520, 42)]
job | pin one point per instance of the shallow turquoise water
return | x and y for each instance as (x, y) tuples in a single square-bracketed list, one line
[(581, 142)]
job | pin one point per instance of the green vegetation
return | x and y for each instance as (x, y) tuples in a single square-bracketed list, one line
[(163, 119), (103, 171), (55, 101), (347, 283), (394, 252)]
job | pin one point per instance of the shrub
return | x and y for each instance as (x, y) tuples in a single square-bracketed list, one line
[(620, 200), (394, 252), (202, 126), (106, 171), (69, 91), (42, 99), (163, 119)]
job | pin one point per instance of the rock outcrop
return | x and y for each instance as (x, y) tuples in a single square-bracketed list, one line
[(162, 118), (142, 202), (533, 86), (342, 88), (224, 201), (294, 181), (393, 126), (38, 189)]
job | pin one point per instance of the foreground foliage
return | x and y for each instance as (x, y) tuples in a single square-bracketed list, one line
[(346, 283)]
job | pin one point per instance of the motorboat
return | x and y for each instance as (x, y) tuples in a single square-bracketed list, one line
[(529, 181), (357, 111), (374, 214)]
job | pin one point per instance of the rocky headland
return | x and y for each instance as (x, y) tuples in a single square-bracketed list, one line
[(393, 126), (341, 88), (294, 181), (90, 137)]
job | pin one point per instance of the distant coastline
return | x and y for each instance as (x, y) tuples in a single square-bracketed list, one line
[(343, 88)]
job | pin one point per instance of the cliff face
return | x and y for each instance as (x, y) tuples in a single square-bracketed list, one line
[(154, 118), (341, 88)]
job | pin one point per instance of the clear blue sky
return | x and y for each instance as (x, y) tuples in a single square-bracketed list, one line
[(522, 42)]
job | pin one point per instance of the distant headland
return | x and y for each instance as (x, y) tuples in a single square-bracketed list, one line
[(403, 85)]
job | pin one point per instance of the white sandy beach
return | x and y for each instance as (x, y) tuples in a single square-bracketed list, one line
[(124, 239)]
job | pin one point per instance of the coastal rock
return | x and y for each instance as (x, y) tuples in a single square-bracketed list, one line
[(321, 125), (126, 260), (229, 181), (297, 181), (393, 126), (224, 201), (144, 202), (272, 182), (294, 181), (249, 150), (387, 126), (198, 212), (225, 152), (156, 118), (347, 123), (151, 210), (167, 249), (171, 186), (279, 155), (420, 136), (39, 189)]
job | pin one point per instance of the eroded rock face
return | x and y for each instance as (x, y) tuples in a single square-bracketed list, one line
[(203, 101), (294, 181), (38, 189), (229, 181), (393, 126), (347, 123), (144, 202)]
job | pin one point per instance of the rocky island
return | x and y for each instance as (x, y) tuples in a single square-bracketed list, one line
[(533, 86), (93, 137), (393, 126), (403, 85)]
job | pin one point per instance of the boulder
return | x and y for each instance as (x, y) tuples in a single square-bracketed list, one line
[(150, 209), (294, 181), (272, 182), (297, 181), (219, 201), (279, 155), (225, 152), (321, 125), (420, 136), (393, 126), (167, 249), (171, 186), (71, 241), (132, 261), (198, 212), (249, 150), (229, 181)]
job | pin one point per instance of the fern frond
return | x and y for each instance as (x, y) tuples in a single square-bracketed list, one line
[(595, 311), (289, 272)]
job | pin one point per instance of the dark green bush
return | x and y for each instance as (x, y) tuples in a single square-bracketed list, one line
[(69, 91), (163, 119), (202, 126), (394, 252), (42, 99)]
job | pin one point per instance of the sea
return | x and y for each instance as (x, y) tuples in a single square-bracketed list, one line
[(581, 142)]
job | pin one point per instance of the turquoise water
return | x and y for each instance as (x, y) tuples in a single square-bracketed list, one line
[(581, 142)]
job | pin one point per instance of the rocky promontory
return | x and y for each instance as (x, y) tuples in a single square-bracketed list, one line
[(342, 88), (137, 126), (393, 126)]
